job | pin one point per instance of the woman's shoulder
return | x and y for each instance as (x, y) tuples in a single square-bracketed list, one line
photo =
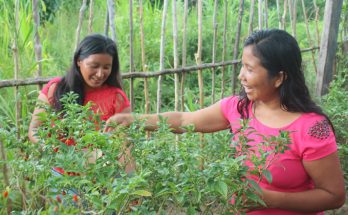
[(313, 136), (230, 99), (310, 119), (229, 107), (48, 87)]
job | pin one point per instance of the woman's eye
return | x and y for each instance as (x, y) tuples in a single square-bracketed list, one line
[(94, 66)]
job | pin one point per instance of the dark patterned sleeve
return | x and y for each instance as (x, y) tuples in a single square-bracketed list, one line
[(318, 139)]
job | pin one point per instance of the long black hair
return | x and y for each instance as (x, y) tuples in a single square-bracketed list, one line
[(73, 80), (279, 51)]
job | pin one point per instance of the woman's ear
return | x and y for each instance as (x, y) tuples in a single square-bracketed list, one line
[(78, 63), (280, 79)]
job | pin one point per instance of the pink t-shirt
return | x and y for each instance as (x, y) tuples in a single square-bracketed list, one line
[(312, 139), (106, 100)]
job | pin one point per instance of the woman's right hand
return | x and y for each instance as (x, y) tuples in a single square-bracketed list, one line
[(118, 119)]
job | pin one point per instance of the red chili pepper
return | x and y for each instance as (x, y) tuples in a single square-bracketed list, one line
[(5, 194), (75, 198), (56, 149), (70, 142), (58, 199), (63, 193)]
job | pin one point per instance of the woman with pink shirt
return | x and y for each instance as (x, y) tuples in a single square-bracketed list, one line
[(307, 178)]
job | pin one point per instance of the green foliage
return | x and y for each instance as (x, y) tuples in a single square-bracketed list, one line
[(188, 173)]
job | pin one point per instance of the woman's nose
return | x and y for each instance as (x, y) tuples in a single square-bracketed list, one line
[(99, 72), (240, 75)]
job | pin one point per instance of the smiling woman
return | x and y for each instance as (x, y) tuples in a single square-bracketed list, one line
[(307, 178), (94, 76), (95, 69)]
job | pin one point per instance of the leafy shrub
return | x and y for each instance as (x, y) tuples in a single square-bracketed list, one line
[(185, 174)]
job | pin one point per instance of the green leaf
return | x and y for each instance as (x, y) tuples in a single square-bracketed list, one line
[(221, 187), (255, 185), (267, 175), (142, 193)]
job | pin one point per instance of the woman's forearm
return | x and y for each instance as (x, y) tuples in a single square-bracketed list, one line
[(307, 201)]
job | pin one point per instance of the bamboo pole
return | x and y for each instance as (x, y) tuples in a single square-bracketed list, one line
[(183, 60), (37, 43), (293, 16), (284, 15), (236, 46), (5, 175), (175, 54), (251, 18), (143, 57), (16, 68), (279, 17), (131, 55), (111, 13), (224, 41), (260, 14), (317, 21), (107, 22), (90, 19), (198, 54), (17, 93), (213, 54), (328, 46), (36, 81), (266, 14), (79, 26), (310, 42), (162, 53)]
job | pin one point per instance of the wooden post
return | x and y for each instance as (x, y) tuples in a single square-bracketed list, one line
[(162, 53), (183, 60), (90, 19), (106, 25), (260, 15), (111, 13), (328, 46), (37, 46), (213, 54), (143, 59), (236, 46), (79, 26), (251, 18), (175, 54), (198, 54), (131, 55), (284, 15), (224, 42)]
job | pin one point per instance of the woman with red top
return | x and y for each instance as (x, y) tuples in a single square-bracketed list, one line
[(307, 178), (94, 76)]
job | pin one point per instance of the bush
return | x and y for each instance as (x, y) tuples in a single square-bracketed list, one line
[(185, 174)]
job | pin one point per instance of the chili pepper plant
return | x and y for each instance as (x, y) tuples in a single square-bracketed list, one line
[(188, 173)]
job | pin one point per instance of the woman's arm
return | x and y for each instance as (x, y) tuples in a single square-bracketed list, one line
[(328, 193), (205, 120), (35, 122)]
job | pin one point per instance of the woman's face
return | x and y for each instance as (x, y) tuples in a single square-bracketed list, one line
[(255, 80), (95, 69)]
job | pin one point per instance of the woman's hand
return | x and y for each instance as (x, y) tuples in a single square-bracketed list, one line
[(249, 205), (118, 119)]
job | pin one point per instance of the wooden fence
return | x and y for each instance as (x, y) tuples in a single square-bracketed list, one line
[(287, 17)]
